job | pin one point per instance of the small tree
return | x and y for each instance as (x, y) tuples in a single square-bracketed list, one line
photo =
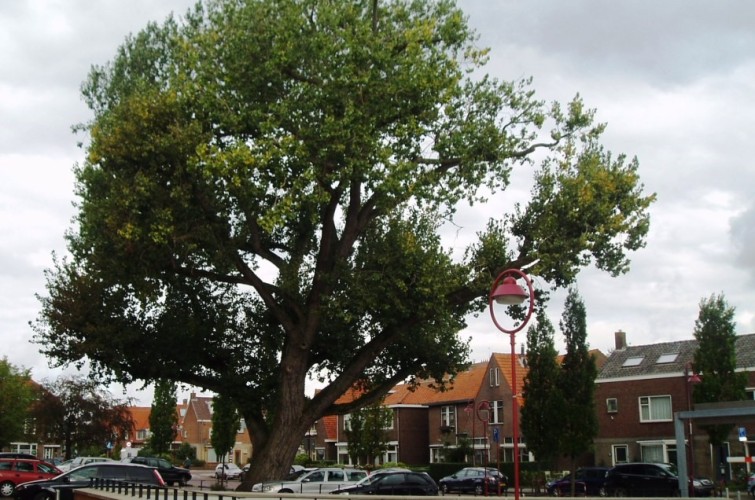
[(715, 359), (225, 426), (578, 423), (367, 433), (163, 418), (16, 396), (541, 416), (79, 413)]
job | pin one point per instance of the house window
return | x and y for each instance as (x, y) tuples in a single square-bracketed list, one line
[(655, 409), (448, 416), (347, 422), (620, 454), (495, 377), (496, 412), (750, 393), (612, 405)]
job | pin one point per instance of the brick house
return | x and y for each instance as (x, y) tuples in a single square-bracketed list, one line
[(196, 430), (638, 391)]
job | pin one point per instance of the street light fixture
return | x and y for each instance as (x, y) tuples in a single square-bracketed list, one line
[(505, 290)]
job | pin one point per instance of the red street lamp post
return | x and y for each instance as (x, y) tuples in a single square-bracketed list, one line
[(483, 413), (690, 378), (505, 290)]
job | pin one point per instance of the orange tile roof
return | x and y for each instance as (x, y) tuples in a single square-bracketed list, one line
[(330, 423), (504, 363), (140, 414)]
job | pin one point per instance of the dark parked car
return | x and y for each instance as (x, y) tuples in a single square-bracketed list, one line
[(65, 484), (13, 454), (587, 481), (474, 479), (169, 472), (650, 479), (14, 471), (393, 483)]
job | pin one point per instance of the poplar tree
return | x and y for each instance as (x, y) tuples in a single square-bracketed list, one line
[(576, 383), (715, 360), (543, 403), (225, 425), (163, 417)]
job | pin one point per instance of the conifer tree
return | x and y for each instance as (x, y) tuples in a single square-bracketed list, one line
[(225, 425)]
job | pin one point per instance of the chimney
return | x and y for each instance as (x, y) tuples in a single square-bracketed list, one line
[(621, 340)]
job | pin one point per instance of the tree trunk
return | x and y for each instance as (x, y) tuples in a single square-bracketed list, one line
[(274, 459)]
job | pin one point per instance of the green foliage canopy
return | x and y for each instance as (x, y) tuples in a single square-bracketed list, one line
[(16, 396), (368, 433), (263, 193)]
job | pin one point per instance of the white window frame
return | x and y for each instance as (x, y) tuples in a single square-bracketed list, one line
[(614, 454), (494, 377), (448, 416), (646, 402), (612, 405), (496, 412)]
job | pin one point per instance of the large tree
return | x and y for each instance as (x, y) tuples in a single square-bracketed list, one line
[(17, 393), (576, 382), (542, 411), (163, 417), (263, 193), (77, 412), (716, 360)]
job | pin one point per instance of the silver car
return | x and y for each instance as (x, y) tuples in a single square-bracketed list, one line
[(322, 480)]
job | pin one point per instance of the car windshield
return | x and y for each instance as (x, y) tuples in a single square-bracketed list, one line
[(670, 468)]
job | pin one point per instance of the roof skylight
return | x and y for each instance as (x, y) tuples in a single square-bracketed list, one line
[(633, 361)]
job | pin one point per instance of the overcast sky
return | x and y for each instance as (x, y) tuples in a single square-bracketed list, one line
[(674, 81)]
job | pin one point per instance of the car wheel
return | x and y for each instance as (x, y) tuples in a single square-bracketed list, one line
[(602, 492), (44, 495), (6, 489), (444, 488), (478, 490), (621, 492)]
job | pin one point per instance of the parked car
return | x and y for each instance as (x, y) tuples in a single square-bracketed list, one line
[(79, 461), (751, 484), (324, 480), (588, 481), (14, 471), (65, 484), (169, 472), (651, 479), (393, 483), (227, 471), (474, 479), (14, 454)]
